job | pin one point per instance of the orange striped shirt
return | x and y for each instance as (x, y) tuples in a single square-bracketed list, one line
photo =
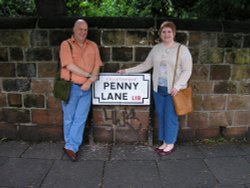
[(87, 57)]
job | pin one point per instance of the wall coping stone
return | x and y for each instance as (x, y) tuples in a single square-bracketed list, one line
[(126, 22), (18, 23)]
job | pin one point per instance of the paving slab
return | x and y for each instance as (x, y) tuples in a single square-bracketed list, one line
[(230, 186), (133, 152), (185, 174), (184, 151), (131, 174), (230, 170), (94, 152), (68, 174), (247, 157), (245, 148), (44, 151), (217, 150), (3, 160), (13, 148), (17, 172)]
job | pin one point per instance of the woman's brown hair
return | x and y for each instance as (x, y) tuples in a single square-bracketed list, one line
[(167, 24)]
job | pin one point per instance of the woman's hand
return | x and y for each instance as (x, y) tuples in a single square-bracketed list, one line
[(173, 91), (122, 71)]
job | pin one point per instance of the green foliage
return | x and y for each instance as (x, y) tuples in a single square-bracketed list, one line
[(15, 8), (109, 8), (197, 9), (194, 9)]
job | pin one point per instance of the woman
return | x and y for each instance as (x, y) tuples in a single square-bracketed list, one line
[(162, 59)]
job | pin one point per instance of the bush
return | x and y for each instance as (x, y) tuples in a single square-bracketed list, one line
[(16, 8)]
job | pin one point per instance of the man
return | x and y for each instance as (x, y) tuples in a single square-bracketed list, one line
[(80, 62)]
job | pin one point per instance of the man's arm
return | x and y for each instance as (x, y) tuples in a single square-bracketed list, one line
[(76, 70)]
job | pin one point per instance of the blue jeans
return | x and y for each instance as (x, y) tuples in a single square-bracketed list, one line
[(168, 122), (75, 114)]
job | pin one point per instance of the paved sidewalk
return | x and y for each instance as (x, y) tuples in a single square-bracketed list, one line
[(124, 166)]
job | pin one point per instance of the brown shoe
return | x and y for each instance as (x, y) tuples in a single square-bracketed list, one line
[(164, 153), (158, 150), (70, 154)]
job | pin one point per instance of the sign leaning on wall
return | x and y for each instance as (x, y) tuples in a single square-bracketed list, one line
[(122, 89)]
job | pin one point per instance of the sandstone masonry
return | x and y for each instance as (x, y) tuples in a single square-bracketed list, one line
[(29, 55)]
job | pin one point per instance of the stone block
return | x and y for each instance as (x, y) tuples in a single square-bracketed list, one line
[(153, 37), (207, 133), (237, 56), (200, 72), (3, 99), (15, 38), (186, 135), (181, 37), (53, 103), (34, 101), (111, 67), (26, 70), (122, 135), (103, 134), (3, 54), (229, 40), (57, 36), (211, 55), (105, 53), (16, 54), (136, 38), (125, 123), (20, 85), (214, 102), (7, 70), (39, 38), (241, 72), (9, 131), (244, 88), (128, 65), (15, 100), (202, 87), (198, 120), (47, 70), (42, 86), (113, 38), (202, 39), (141, 53), (195, 54), (235, 132), (11, 115), (39, 54), (220, 72), (197, 102), (95, 35), (41, 133), (238, 102), (122, 54), (225, 87), (246, 43), (220, 119), (242, 118), (47, 117)]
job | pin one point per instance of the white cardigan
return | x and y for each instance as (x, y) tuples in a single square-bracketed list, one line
[(184, 69)]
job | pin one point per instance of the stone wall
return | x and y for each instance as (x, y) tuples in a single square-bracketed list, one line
[(220, 79)]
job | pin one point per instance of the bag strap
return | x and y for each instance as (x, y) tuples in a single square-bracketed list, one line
[(71, 49), (176, 63), (59, 64)]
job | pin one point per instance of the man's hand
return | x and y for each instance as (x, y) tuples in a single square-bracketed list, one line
[(86, 86)]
